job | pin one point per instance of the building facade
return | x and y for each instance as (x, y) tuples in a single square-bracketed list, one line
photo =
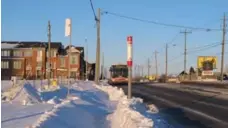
[(30, 60)]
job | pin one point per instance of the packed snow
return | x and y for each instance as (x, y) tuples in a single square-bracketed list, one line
[(27, 95), (86, 105)]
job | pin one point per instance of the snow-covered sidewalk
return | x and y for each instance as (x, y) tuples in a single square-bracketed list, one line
[(20, 116), (88, 106)]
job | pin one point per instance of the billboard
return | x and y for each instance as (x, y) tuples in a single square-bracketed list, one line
[(207, 62)]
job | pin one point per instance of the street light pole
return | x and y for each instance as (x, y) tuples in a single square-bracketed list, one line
[(68, 33)]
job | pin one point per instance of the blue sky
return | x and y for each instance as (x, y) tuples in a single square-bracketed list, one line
[(26, 20)]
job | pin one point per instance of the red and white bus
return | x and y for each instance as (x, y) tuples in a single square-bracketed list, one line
[(118, 74)]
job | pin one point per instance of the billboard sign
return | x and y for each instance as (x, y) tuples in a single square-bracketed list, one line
[(207, 62)]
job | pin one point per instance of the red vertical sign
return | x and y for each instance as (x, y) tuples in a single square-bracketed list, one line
[(129, 51)]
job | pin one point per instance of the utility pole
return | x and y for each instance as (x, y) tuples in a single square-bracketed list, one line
[(156, 64), (139, 70), (148, 68), (166, 62), (102, 70), (142, 70), (49, 53), (185, 48), (223, 45), (86, 58), (97, 73)]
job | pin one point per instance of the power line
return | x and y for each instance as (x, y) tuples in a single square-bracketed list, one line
[(174, 38), (198, 50), (159, 23), (176, 57), (207, 45), (205, 48), (91, 4), (171, 41)]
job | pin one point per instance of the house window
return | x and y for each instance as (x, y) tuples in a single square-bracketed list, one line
[(48, 65), (39, 63), (53, 53), (4, 64), (28, 53), (54, 65), (17, 53), (39, 53), (62, 62), (73, 74), (74, 59), (5, 53), (17, 64)]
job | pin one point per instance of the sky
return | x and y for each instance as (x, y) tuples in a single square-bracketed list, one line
[(26, 20)]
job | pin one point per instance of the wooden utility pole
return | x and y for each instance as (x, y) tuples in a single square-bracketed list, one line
[(166, 62), (139, 70), (135, 71), (97, 73), (156, 64), (185, 47), (223, 45), (87, 50), (148, 73), (102, 69), (49, 53)]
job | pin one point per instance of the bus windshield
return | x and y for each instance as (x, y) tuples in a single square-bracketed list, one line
[(116, 72)]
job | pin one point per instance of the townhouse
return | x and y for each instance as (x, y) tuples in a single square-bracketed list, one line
[(30, 60)]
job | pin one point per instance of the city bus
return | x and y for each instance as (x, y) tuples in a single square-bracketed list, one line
[(118, 74)]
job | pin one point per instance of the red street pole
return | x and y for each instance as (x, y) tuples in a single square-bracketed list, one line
[(129, 64)]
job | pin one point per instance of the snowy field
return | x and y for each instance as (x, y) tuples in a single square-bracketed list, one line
[(87, 105)]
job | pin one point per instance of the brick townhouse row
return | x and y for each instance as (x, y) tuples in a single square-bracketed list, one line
[(30, 60)]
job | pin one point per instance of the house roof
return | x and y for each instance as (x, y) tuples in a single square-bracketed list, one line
[(76, 47), (6, 45), (29, 44)]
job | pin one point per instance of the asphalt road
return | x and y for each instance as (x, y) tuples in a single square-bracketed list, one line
[(192, 110)]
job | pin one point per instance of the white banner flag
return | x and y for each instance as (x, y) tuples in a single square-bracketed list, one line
[(68, 27)]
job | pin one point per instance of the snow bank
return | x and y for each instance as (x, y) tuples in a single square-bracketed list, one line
[(127, 113), (126, 117), (54, 95), (27, 95), (48, 114), (54, 100), (7, 45), (6, 85)]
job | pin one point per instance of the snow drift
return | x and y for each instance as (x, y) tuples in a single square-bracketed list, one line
[(126, 114), (27, 95)]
